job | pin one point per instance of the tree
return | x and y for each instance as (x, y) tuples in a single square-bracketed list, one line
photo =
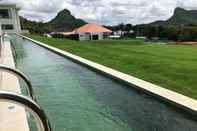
[(128, 27)]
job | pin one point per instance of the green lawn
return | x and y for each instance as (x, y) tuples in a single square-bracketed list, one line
[(170, 66)]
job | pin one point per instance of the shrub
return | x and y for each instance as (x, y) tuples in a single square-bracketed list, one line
[(71, 37), (58, 35)]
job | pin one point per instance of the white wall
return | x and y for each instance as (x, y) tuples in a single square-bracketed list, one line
[(100, 35), (14, 20), (85, 36)]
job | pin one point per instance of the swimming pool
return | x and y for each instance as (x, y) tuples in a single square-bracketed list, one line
[(79, 99)]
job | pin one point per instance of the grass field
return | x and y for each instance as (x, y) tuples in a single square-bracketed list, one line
[(170, 66)]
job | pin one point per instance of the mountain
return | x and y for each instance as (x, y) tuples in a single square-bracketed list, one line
[(180, 17), (64, 21)]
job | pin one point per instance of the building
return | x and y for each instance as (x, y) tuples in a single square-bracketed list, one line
[(92, 32), (9, 18), (121, 33), (62, 33)]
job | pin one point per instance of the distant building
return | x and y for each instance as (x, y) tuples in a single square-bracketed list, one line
[(120, 33), (92, 32), (62, 33), (9, 18), (141, 37)]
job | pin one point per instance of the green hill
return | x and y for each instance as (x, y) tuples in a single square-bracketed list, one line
[(64, 21), (35, 27), (180, 17)]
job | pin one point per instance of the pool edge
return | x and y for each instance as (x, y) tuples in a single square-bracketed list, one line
[(166, 95)]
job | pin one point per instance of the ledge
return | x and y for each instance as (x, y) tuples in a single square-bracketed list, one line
[(166, 95)]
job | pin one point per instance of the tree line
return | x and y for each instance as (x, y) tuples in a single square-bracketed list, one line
[(175, 33)]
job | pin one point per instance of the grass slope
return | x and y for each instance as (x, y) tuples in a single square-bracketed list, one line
[(170, 66)]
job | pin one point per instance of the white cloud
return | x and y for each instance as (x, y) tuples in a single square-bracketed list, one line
[(104, 11)]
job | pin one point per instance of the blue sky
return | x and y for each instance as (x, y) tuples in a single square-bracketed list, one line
[(107, 12)]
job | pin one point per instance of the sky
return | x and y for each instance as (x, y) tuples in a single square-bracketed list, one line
[(108, 12)]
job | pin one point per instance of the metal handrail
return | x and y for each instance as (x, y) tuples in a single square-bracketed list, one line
[(42, 121), (29, 88)]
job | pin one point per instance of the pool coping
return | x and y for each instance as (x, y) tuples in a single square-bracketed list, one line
[(179, 100)]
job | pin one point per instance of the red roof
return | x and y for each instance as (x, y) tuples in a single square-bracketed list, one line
[(89, 28)]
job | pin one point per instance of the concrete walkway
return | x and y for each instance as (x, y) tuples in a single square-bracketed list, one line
[(12, 117)]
